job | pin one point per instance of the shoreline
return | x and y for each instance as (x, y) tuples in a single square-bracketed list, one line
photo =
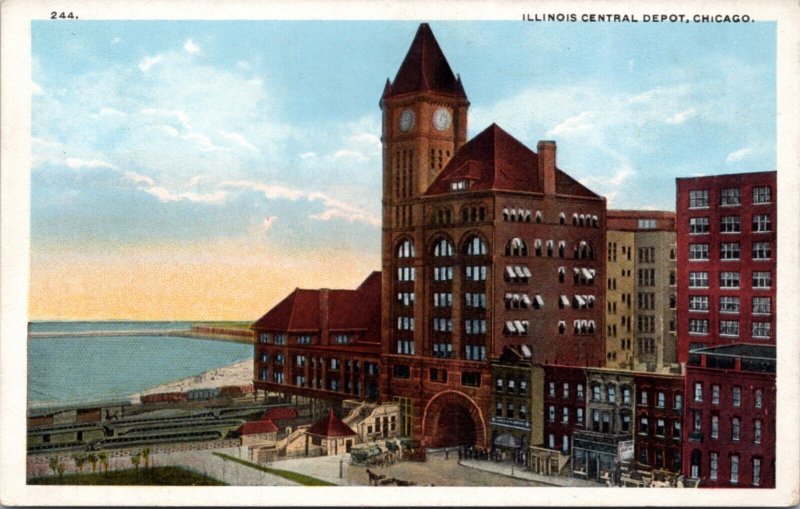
[(237, 373)]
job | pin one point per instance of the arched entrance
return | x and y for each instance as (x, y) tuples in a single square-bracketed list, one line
[(452, 418)]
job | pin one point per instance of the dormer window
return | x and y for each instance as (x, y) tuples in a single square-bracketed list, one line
[(459, 185)]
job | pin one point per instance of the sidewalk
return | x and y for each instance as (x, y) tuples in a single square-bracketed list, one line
[(519, 472)]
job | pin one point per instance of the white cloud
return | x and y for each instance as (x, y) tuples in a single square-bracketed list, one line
[(179, 115), (738, 155), (577, 123), (237, 138), (147, 63), (361, 217), (349, 154), (139, 178), (270, 191), (77, 163), (166, 196), (308, 155), (36, 89), (111, 112), (241, 64), (682, 116), (191, 47)]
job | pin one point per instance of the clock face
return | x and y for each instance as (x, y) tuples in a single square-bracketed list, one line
[(442, 119), (406, 120)]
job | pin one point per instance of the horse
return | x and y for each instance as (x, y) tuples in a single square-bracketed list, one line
[(374, 478)]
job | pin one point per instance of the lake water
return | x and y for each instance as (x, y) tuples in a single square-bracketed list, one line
[(82, 368)]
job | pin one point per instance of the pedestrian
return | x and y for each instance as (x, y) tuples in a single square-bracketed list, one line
[(447, 454)]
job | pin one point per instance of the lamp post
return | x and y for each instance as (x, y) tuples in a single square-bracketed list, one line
[(341, 467)]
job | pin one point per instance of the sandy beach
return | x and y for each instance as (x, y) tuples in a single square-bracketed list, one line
[(239, 373)]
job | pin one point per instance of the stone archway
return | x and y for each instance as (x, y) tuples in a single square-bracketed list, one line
[(452, 418)]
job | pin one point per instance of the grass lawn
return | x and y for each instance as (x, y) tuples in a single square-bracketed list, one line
[(156, 476), (301, 479)]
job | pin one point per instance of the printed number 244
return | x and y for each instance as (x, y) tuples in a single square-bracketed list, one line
[(62, 15)]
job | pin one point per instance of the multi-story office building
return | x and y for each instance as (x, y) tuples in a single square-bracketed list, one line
[(486, 244), (641, 290), (726, 260), (730, 416)]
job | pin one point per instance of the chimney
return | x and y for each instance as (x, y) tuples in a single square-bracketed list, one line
[(547, 166), (324, 313)]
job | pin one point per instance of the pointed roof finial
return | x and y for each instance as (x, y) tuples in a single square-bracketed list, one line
[(425, 68)]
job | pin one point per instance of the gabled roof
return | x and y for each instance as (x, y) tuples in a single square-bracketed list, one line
[(257, 427), (302, 310), (424, 69), (331, 426), (496, 160)]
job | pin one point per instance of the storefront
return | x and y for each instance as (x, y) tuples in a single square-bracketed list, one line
[(595, 456)]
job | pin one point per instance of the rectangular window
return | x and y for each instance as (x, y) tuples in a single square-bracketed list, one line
[(698, 225), (698, 252), (713, 465), (470, 379), (264, 337), (729, 251), (762, 279), (737, 395), (647, 224), (405, 347), (736, 428), (698, 199), (643, 398), (678, 401), (626, 395), (595, 393), (698, 391), (551, 413), (401, 371), (405, 298), (579, 391), (729, 280), (698, 303), (565, 390), (762, 223), (762, 305), (442, 274), (715, 394), (647, 255), (565, 415), (698, 280), (579, 416), (405, 273), (757, 431), (661, 399), (646, 300), (477, 300), (475, 272), (498, 410), (762, 194), (442, 300), (756, 471), (762, 251), (734, 469), (647, 277), (731, 196), (612, 394), (660, 427), (730, 224), (476, 353), (715, 426), (729, 304), (443, 324), (443, 350), (729, 328), (698, 326), (676, 430), (643, 425), (478, 326), (762, 330)]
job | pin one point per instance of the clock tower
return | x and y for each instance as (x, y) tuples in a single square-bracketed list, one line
[(424, 124)]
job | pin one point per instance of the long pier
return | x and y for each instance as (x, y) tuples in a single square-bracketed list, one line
[(235, 335)]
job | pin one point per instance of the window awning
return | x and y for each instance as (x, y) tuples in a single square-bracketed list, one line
[(507, 440), (519, 326), (537, 243), (562, 271), (577, 270), (526, 272), (510, 326), (587, 274), (580, 299), (539, 301), (526, 300), (510, 272), (564, 300), (505, 212), (590, 299), (518, 271)]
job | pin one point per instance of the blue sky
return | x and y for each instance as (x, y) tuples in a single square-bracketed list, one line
[(245, 143)]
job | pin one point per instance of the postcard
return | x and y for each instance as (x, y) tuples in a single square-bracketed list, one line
[(314, 253)]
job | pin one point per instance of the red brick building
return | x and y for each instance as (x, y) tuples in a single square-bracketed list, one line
[(658, 441), (726, 260), (322, 344), (486, 244), (730, 416)]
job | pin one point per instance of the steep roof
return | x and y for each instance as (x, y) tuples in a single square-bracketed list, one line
[(496, 160), (330, 426), (302, 310), (257, 427), (424, 69)]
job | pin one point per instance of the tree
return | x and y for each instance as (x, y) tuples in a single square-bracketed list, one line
[(146, 457), (92, 458), (103, 457), (60, 468), (136, 457), (53, 463), (80, 460)]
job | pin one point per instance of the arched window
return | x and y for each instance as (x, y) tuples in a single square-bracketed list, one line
[(516, 247), (595, 221), (482, 214), (562, 327), (443, 247), (550, 248), (574, 219), (562, 248), (562, 271), (405, 249), (538, 216), (581, 220), (537, 246), (562, 218), (476, 246), (583, 250)]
